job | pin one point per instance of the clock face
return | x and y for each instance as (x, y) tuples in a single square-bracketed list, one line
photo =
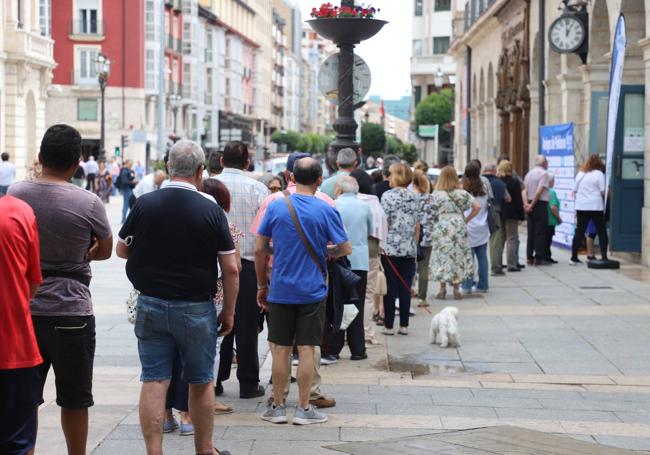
[(566, 34), (328, 79)]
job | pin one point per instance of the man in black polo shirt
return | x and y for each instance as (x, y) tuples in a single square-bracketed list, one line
[(173, 240)]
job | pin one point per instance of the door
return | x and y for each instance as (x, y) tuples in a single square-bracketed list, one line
[(627, 177)]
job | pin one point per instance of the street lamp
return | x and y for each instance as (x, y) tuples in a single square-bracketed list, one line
[(103, 65), (439, 78), (175, 102)]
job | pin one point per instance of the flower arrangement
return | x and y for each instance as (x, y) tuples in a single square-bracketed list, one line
[(327, 11)]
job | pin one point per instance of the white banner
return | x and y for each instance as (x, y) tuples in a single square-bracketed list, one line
[(615, 81)]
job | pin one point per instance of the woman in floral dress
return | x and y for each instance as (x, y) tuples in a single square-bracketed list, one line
[(452, 260)]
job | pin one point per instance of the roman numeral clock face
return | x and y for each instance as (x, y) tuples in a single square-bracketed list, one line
[(566, 34)]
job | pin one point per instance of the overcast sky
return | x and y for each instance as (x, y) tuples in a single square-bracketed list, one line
[(388, 53)]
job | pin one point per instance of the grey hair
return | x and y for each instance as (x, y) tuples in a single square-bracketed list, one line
[(185, 157), (389, 160), (347, 184), (346, 157), (540, 159), (158, 173)]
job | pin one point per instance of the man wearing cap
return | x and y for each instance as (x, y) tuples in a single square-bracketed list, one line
[(316, 398), (346, 162)]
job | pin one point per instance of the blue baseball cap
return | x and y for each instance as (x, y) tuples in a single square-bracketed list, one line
[(295, 156)]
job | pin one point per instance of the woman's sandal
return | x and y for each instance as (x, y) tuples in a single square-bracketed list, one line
[(380, 321), (219, 452), (223, 409)]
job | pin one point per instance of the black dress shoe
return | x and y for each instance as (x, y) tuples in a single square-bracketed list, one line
[(254, 393), (363, 356), (521, 266), (218, 390)]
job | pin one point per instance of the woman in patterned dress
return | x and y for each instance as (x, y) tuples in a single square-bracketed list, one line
[(403, 210), (452, 260)]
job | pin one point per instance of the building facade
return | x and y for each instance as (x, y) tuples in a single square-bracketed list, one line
[(432, 33), (503, 97), (82, 30), (26, 63)]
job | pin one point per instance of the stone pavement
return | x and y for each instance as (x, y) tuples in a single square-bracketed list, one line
[(561, 350)]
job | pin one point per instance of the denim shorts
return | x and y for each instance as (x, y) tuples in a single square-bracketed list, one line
[(162, 326)]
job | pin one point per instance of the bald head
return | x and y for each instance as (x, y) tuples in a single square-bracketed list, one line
[(307, 171), (158, 177), (540, 160)]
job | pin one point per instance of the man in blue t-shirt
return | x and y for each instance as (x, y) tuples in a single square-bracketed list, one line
[(296, 301)]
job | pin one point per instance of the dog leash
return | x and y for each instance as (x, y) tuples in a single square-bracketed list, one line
[(399, 276)]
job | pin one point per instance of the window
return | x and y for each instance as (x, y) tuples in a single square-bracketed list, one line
[(150, 21), (208, 46), (44, 8), (440, 44), (88, 21), (442, 5), (418, 7), (417, 94), (87, 109), (431, 89), (87, 65), (417, 47)]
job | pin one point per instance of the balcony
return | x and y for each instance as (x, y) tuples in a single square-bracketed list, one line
[(474, 9), (81, 30), (29, 46)]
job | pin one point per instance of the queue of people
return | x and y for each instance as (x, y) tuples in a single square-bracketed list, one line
[(319, 270)]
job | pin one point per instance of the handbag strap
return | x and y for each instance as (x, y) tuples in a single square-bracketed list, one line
[(462, 213), (303, 238)]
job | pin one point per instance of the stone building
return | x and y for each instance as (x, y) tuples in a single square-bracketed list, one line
[(507, 88), (26, 63)]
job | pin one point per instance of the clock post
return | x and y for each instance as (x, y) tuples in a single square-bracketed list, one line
[(346, 32)]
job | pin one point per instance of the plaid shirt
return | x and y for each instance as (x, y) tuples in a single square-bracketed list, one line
[(247, 195)]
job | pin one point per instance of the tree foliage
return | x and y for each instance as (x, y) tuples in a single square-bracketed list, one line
[(373, 138), (436, 109), (312, 143)]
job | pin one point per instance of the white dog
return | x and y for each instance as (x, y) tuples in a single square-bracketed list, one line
[(445, 323)]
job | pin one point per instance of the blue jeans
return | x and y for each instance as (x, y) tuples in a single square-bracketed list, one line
[(483, 268), (164, 327), (126, 194)]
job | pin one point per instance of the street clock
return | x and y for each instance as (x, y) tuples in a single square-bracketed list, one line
[(568, 34), (328, 79)]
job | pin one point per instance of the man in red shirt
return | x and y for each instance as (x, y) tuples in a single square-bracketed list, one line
[(19, 358)]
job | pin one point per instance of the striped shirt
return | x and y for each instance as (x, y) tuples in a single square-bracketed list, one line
[(247, 195)]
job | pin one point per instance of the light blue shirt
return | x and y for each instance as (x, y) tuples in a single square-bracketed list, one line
[(357, 219), (329, 185)]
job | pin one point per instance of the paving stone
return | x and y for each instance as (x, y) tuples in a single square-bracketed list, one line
[(485, 441), (374, 434), (271, 432), (557, 414), (502, 367), (625, 442), (526, 393), (287, 448), (490, 402), (420, 391), (436, 410)]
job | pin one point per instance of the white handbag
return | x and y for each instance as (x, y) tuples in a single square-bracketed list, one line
[(350, 312)]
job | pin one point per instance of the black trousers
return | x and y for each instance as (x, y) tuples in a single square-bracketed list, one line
[(550, 233), (355, 333), (90, 182), (583, 217), (396, 289), (244, 333), (537, 227)]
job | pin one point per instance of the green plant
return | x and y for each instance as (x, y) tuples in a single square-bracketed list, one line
[(290, 138), (436, 109), (373, 138)]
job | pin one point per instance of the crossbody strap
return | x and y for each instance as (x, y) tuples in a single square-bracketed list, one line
[(303, 238)]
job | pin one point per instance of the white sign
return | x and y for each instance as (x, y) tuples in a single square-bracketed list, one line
[(615, 81)]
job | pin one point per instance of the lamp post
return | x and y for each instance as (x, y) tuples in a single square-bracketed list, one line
[(103, 69), (175, 102), (346, 33)]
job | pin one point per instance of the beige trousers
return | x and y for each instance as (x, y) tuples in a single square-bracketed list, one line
[(371, 289)]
